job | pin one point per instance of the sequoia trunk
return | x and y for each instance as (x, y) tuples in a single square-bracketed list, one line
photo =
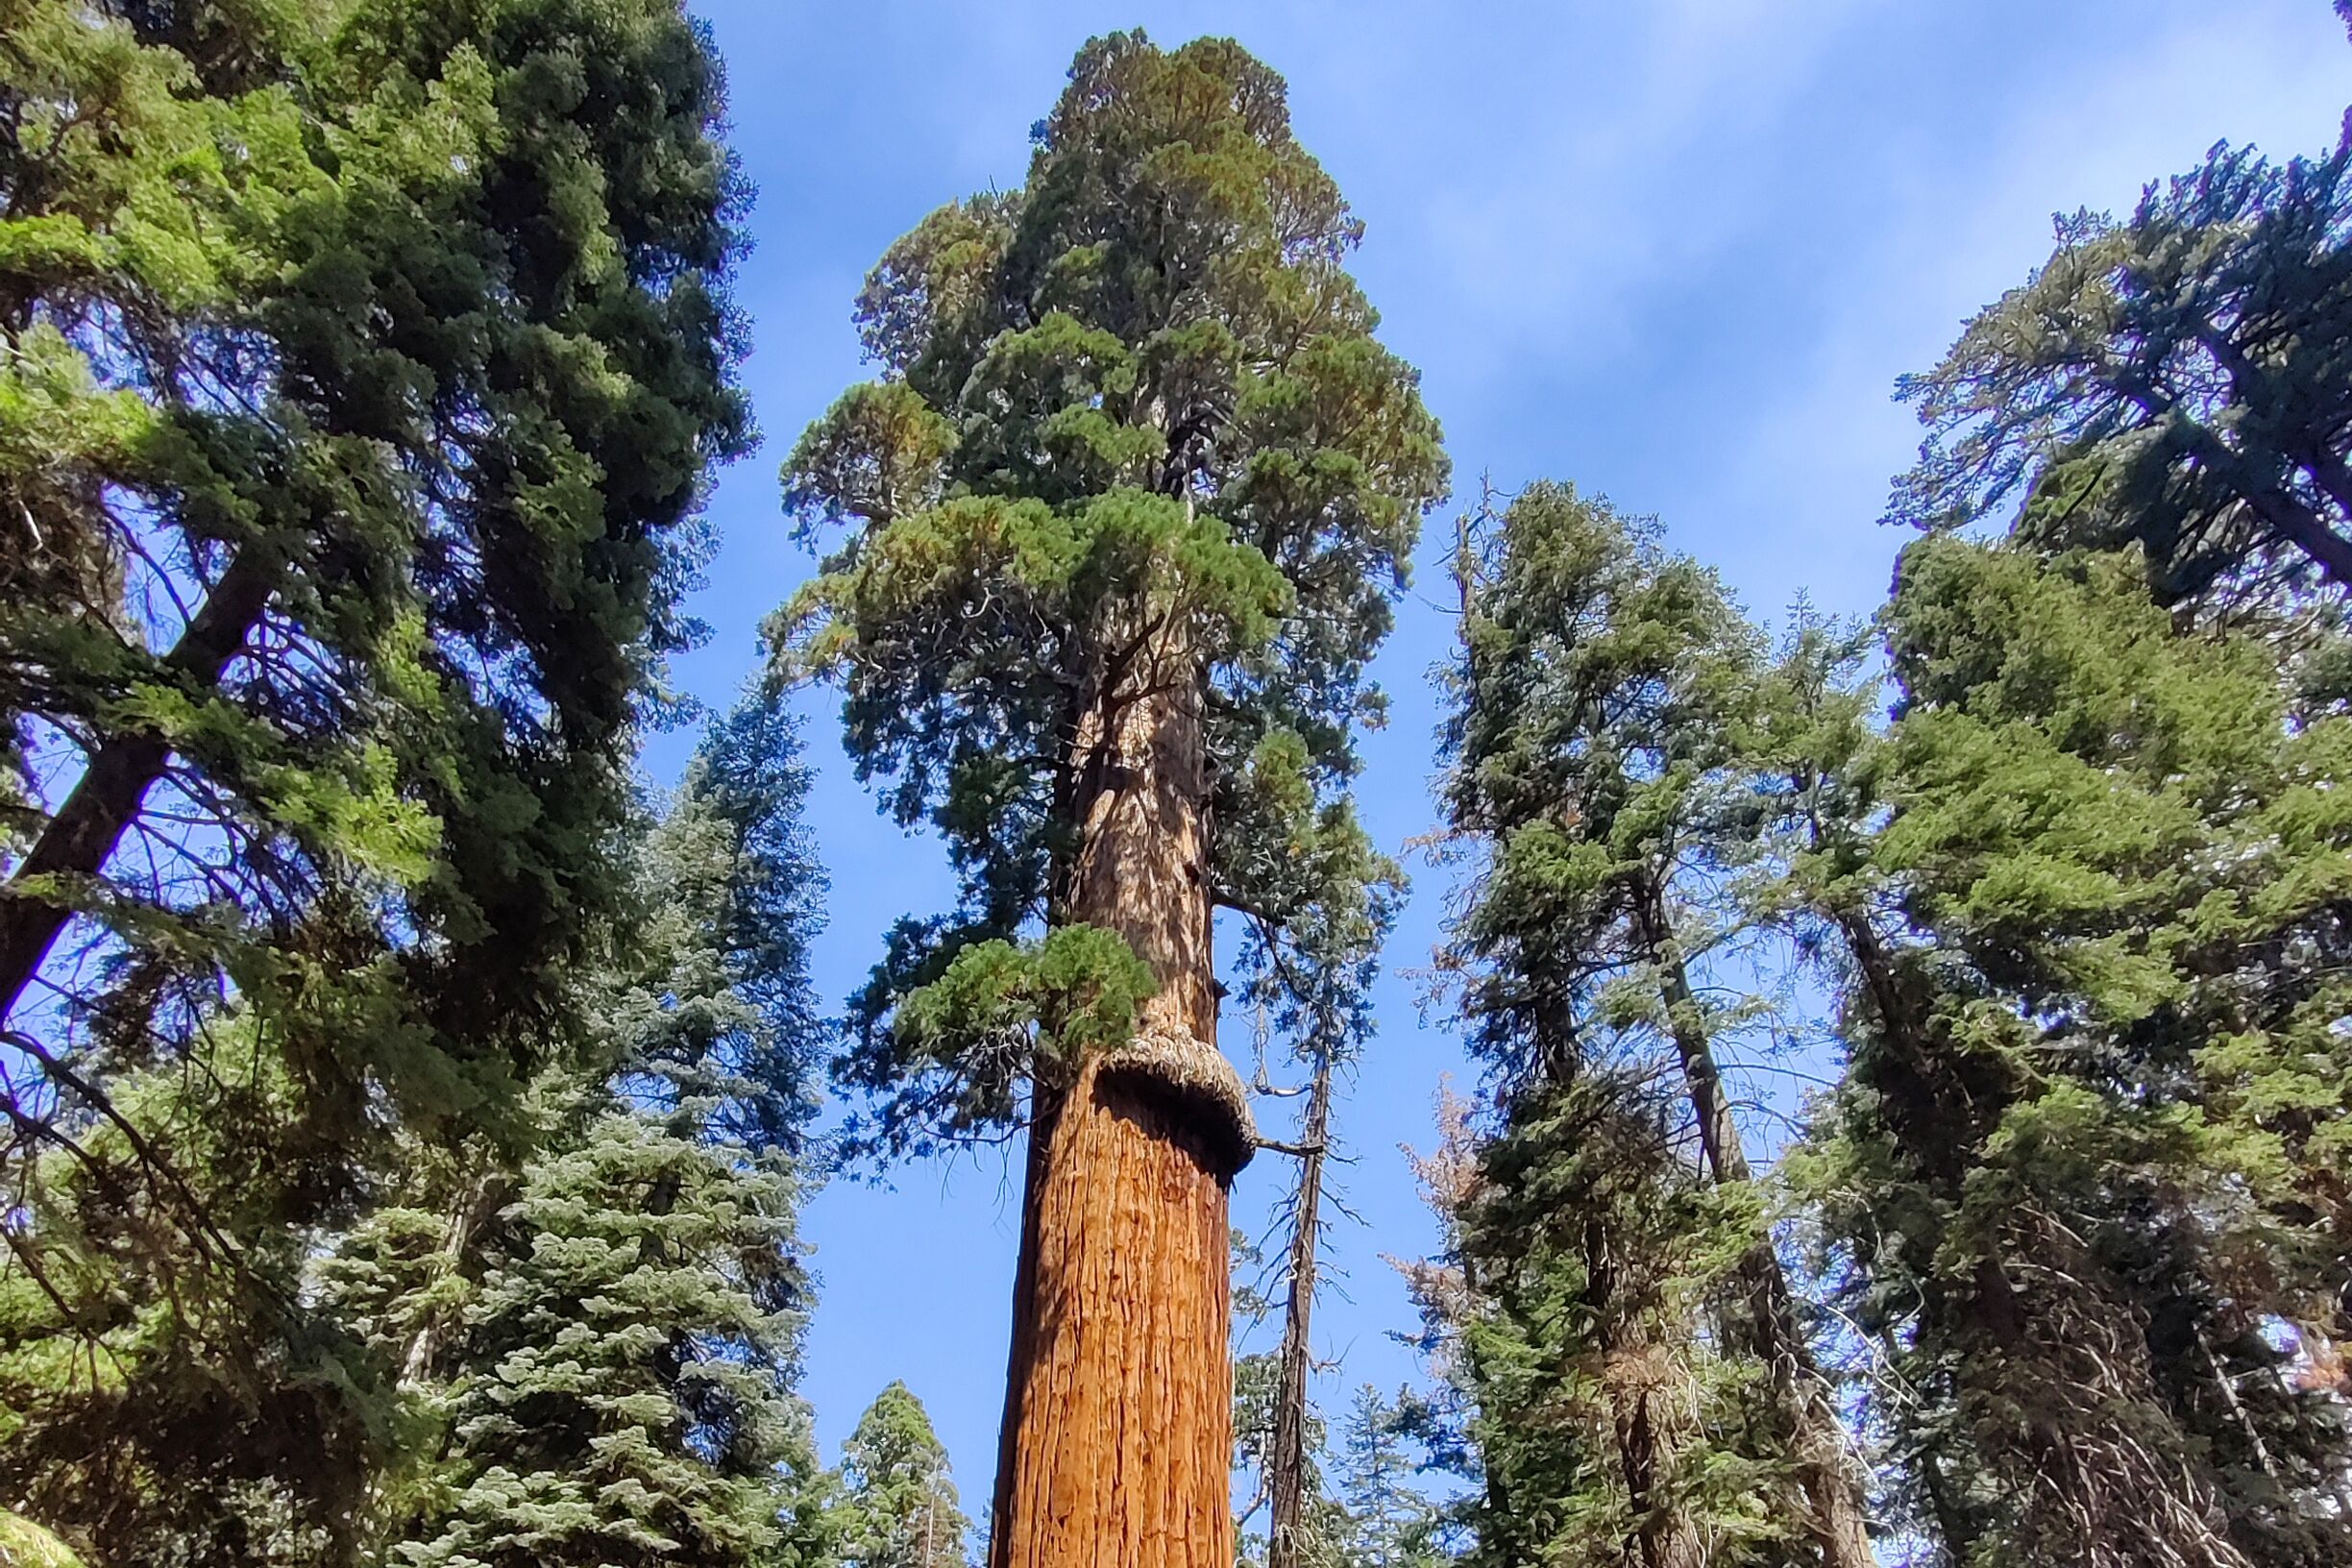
[(1118, 1408)]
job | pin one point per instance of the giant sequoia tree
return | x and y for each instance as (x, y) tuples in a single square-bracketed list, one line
[(900, 1508), (1127, 507)]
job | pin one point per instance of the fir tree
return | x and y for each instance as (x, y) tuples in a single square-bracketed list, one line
[(1596, 768), (360, 368), (1128, 507), (1388, 1521), (613, 1351), (900, 1508), (629, 1355), (1608, 1430), (2073, 1162), (2173, 381)]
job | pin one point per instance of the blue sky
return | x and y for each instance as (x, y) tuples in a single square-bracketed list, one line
[(1675, 251)]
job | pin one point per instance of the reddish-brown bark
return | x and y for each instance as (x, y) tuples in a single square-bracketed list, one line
[(1118, 1404), (1119, 1418)]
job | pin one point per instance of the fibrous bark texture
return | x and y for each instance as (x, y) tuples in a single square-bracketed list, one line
[(1119, 1406)]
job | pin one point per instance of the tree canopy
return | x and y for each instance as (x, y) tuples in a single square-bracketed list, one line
[(1133, 430)]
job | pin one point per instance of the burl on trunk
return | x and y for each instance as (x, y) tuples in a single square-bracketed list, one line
[(1118, 1408)]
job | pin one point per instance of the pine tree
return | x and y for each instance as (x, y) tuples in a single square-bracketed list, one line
[(1595, 756), (900, 1510), (2173, 381), (360, 368), (169, 1394), (2084, 893), (1129, 503)]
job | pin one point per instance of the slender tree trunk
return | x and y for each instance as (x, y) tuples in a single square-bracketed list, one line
[(1285, 1543), (1649, 1395), (1952, 1520), (478, 1202), (1118, 1409), (1825, 1460), (78, 839)]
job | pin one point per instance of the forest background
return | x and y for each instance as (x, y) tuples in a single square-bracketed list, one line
[(1679, 251)]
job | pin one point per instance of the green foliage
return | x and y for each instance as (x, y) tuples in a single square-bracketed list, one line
[(1089, 979), (168, 1396), (1133, 433), (24, 1544), (619, 1343), (389, 342), (593, 1353), (361, 367), (899, 1507), (1385, 1521), (714, 1017), (1593, 1255), (2172, 381), (2095, 863), (1601, 697), (630, 1347), (1605, 697)]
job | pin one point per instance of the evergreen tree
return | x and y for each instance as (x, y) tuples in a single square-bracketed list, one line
[(2085, 891), (1389, 1523), (360, 368), (2175, 380), (1311, 975), (1596, 766), (169, 1394), (612, 1352), (1608, 1430), (1128, 507), (900, 1510), (631, 1351)]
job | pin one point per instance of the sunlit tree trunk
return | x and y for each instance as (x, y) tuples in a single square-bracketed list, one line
[(1117, 1434), (1649, 1400)]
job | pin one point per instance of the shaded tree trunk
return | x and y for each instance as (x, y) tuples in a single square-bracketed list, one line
[(2056, 1361), (1825, 1460), (1649, 1395), (1286, 1544), (1116, 1443), (114, 782)]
